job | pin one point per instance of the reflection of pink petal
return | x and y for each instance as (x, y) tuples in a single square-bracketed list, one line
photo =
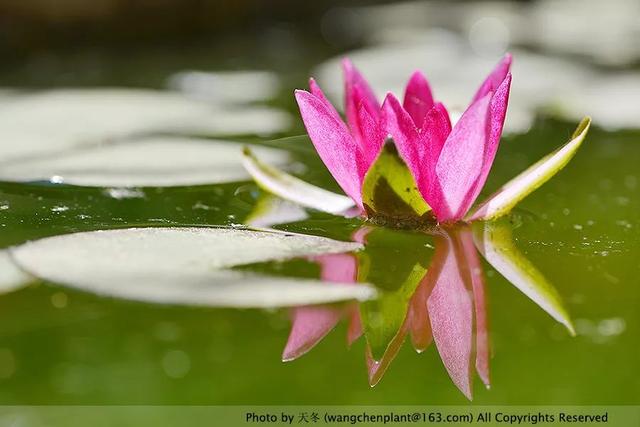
[(338, 268), (310, 325), (355, 325), (451, 312), (480, 303), (378, 368), (360, 235), (419, 325)]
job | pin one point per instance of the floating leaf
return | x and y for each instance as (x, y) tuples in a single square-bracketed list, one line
[(510, 194), (146, 162), (389, 186), (227, 87), (52, 121), (11, 277), (184, 266), (494, 240), (291, 188)]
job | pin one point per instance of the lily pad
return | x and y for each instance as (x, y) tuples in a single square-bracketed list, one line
[(11, 277), (510, 194), (227, 87), (185, 266), (495, 242), (153, 161), (291, 188), (51, 121)]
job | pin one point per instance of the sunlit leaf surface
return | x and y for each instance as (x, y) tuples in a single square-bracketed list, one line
[(146, 162), (56, 120)]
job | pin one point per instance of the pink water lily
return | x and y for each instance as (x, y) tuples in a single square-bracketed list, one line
[(449, 164), (402, 161)]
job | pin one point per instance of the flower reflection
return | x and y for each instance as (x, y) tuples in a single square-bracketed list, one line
[(443, 301)]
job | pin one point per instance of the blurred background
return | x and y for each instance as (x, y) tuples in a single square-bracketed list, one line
[(569, 54)]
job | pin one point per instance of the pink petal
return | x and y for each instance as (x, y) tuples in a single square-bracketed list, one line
[(310, 325), (436, 130), (333, 142), (495, 78), (419, 150), (399, 125), (417, 98), (358, 95), (460, 163), (372, 134), (480, 304), (498, 109), (451, 312)]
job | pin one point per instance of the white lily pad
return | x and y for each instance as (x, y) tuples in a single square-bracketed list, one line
[(11, 277), (154, 161), (293, 189), (51, 121), (184, 266), (510, 194), (495, 242), (225, 87)]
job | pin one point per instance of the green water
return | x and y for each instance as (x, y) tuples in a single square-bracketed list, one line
[(581, 230)]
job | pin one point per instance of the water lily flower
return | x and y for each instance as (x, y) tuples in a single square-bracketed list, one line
[(406, 159)]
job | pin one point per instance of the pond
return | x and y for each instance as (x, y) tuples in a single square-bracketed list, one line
[(537, 308)]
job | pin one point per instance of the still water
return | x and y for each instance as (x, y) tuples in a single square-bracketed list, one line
[(579, 231)]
